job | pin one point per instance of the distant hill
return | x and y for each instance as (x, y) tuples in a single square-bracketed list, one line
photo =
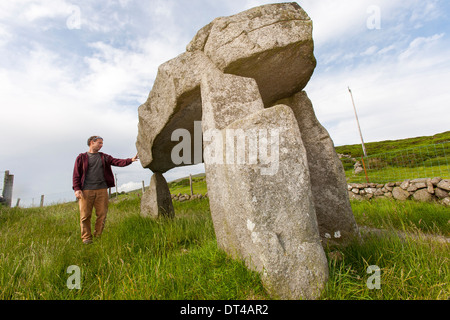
[(199, 175), (372, 148)]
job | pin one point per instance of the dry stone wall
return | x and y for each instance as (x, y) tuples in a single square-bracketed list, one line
[(185, 197), (424, 189)]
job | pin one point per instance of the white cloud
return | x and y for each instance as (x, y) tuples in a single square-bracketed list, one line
[(386, 49), (54, 99), (130, 186), (46, 9), (124, 3), (420, 44), (395, 98), (424, 11), (396, 73), (5, 35), (336, 20), (370, 51), (182, 172)]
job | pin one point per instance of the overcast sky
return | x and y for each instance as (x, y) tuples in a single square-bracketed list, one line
[(72, 69)]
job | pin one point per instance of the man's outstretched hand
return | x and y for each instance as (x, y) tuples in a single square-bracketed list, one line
[(135, 158)]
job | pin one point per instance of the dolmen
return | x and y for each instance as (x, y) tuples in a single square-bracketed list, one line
[(235, 102)]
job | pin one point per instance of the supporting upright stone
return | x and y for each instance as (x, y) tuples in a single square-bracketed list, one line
[(262, 210), (156, 201), (337, 224)]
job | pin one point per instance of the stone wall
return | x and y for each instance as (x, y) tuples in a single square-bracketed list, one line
[(424, 189), (184, 197)]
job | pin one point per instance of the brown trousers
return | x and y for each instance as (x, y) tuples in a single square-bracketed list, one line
[(97, 199)]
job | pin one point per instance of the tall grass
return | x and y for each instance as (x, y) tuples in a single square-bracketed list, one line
[(136, 258), (140, 258), (414, 265), (410, 269), (409, 216)]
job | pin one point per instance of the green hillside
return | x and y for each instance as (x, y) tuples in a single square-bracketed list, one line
[(374, 148), (182, 185), (397, 160)]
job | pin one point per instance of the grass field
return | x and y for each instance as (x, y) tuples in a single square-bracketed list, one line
[(398, 160), (395, 174), (144, 259), (182, 186), (139, 258), (355, 150)]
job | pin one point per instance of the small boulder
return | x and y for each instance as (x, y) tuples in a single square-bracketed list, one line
[(400, 194), (422, 195), (444, 184)]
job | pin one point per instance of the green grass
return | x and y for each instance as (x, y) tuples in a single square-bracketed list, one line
[(398, 160), (409, 248), (140, 258), (410, 216), (136, 258), (410, 270), (395, 174), (182, 186)]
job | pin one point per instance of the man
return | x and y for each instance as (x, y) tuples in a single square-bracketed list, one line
[(92, 176)]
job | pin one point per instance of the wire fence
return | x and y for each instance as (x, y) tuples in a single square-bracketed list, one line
[(427, 161), (125, 182)]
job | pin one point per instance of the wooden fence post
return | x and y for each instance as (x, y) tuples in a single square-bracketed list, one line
[(190, 184), (42, 201)]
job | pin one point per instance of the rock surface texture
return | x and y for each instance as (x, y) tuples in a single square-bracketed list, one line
[(421, 189), (329, 186), (156, 202), (265, 217), (276, 186)]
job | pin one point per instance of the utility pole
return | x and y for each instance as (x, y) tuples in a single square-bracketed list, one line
[(357, 121)]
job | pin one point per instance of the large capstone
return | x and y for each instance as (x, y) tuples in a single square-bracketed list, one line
[(271, 44)]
